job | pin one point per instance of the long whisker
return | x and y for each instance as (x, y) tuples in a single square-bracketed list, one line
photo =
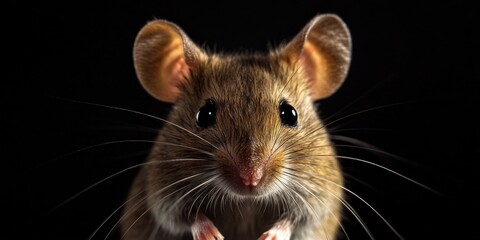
[(364, 145), (357, 129), (361, 112), (361, 199), (391, 171), (137, 205), (131, 127), (193, 189), (143, 114), (174, 204), (125, 141), (372, 164), (370, 206), (357, 99), (311, 209), (116, 174), (213, 201), (297, 140), (322, 202), (111, 215), (208, 194), (293, 198), (201, 192), (93, 185), (145, 212), (345, 203)]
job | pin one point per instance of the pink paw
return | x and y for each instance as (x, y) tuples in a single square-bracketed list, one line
[(280, 231), (204, 229)]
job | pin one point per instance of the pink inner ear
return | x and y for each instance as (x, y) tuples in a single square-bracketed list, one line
[(316, 69), (177, 71), (173, 74)]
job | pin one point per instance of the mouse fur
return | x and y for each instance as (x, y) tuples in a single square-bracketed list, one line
[(246, 174)]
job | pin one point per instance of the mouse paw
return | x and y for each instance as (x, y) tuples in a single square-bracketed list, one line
[(280, 231), (204, 229)]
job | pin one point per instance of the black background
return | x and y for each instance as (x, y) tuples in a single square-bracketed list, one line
[(421, 57)]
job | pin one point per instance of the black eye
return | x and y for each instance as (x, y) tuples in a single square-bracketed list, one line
[(206, 115), (288, 114)]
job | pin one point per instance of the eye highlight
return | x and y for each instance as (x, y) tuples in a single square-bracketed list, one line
[(206, 116), (288, 114)]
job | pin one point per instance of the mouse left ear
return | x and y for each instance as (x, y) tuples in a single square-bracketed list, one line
[(323, 50), (164, 56)]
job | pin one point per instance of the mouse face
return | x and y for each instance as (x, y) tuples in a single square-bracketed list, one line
[(243, 130), (263, 127)]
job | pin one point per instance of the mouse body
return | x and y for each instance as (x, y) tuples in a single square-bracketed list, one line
[(243, 153)]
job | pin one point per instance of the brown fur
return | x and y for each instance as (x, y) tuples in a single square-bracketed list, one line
[(301, 180)]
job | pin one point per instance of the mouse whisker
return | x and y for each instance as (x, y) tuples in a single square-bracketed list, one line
[(112, 214), (144, 199), (116, 174), (212, 202), (178, 200), (197, 195), (284, 199), (93, 185), (209, 194), (299, 156), (391, 171), (337, 130), (129, 127), (310, 207), (327, 123), (367, 146), (303, 149), (156, 193), (302, 198), (303, 155), (356, 100), (298, 184), (361, 199), (309, 133), (290, 194), (83, 149), (304, 176), (142, 114), (297, 140)]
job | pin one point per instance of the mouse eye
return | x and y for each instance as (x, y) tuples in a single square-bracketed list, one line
[(288, 114), (206, 115)]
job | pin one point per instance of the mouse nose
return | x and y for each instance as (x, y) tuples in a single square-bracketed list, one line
[(251, 176)]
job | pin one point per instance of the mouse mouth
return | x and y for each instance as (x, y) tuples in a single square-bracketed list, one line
[(249, 187)]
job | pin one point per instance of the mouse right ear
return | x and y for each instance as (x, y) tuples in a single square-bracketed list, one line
[(163, 57), (323, 50)]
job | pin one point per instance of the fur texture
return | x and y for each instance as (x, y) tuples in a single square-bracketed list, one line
[(193, 174)]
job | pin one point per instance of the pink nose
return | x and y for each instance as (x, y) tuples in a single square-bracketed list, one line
[(251, 177)]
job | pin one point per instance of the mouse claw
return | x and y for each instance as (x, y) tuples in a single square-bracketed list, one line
[(280, 231), (204, 229)]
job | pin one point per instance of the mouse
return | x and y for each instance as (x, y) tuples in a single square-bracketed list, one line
[(243, 152)]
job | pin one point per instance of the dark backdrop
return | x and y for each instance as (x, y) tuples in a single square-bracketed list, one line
[(417, 59)]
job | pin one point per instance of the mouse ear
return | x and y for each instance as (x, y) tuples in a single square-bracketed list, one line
[(163, 57), (323, 50)]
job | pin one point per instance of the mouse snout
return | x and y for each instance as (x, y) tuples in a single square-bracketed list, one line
[(251, 175), (251, 172)]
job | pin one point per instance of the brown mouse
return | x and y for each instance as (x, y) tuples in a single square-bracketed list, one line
[(243, 153)]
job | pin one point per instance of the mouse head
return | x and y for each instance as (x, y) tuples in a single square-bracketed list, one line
[(254, 112)]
